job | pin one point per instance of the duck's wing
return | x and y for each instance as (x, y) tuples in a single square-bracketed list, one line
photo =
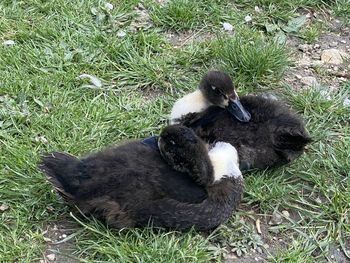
[(171, 183), (172, 214), (202, 119), (205, 123), (182, 188), (222, 200)]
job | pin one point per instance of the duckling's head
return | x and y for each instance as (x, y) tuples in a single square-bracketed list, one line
[(181, 148), (185, 152), (217, 87)]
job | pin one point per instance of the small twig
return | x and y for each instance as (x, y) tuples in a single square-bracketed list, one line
[(341, 74)]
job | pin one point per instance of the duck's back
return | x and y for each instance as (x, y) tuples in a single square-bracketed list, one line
[(136, 167), (273, 136), (119, 180)]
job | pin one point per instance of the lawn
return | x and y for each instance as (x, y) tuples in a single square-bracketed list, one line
[(145, 55)]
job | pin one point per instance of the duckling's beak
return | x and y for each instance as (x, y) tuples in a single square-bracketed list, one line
[(245, 165), (236, 108), (152, 141)]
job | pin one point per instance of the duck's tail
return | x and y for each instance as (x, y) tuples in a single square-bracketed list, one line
[(61, 171)]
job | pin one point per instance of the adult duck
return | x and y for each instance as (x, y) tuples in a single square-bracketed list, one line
[(269, 135), (173, 181)]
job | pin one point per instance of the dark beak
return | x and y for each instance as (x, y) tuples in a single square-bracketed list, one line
[(152, 142), (236, 108), (244, 166)]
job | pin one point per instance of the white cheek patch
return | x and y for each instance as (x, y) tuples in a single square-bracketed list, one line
[(224, 158), (193, 102)]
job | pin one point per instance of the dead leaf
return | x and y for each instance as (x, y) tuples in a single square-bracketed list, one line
[(4, 207), (258, 227), (96, 83), (227, 26), (47, 239), (41, 139), (285, 213), (121, 33), (93, 11), (248, 19), (276, 219), (4, 98), (8, 43), (51, 257), (109, 6)]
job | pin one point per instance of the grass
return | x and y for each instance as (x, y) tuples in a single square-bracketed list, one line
[(185, 14), (341, 9), (45, 107), (311, 33), (252, 59), (99, 243)]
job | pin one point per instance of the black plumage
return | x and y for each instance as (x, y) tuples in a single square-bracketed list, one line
[(265, 132), (133, 183), (273, 136)]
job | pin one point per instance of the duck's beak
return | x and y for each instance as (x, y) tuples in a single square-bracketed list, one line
[(152, 141), (236, 108), (245, 165)]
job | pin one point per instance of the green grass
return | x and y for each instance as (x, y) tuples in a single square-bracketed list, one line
[(185, 14), (311, 33), (342, 8), (252, 59), (45, 107), (97, 243)]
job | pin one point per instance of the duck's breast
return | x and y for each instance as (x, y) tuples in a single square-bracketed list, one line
[(193, 102)]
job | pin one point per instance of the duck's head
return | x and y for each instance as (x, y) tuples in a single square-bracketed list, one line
[(180, 146), (185, 152), (217, 87)]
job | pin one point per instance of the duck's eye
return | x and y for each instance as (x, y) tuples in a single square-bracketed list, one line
[(216, 90)]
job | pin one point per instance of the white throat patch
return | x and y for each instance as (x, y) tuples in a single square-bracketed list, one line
[(224, 158), (193, 102)]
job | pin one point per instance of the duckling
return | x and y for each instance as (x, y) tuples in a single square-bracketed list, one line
[(179, 185), (216, 88), (273, 136)]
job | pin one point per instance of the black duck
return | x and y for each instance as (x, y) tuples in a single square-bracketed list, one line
[(179, 184), (273, 136)]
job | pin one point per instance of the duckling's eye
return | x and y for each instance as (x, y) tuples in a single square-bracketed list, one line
[(217, 91)]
